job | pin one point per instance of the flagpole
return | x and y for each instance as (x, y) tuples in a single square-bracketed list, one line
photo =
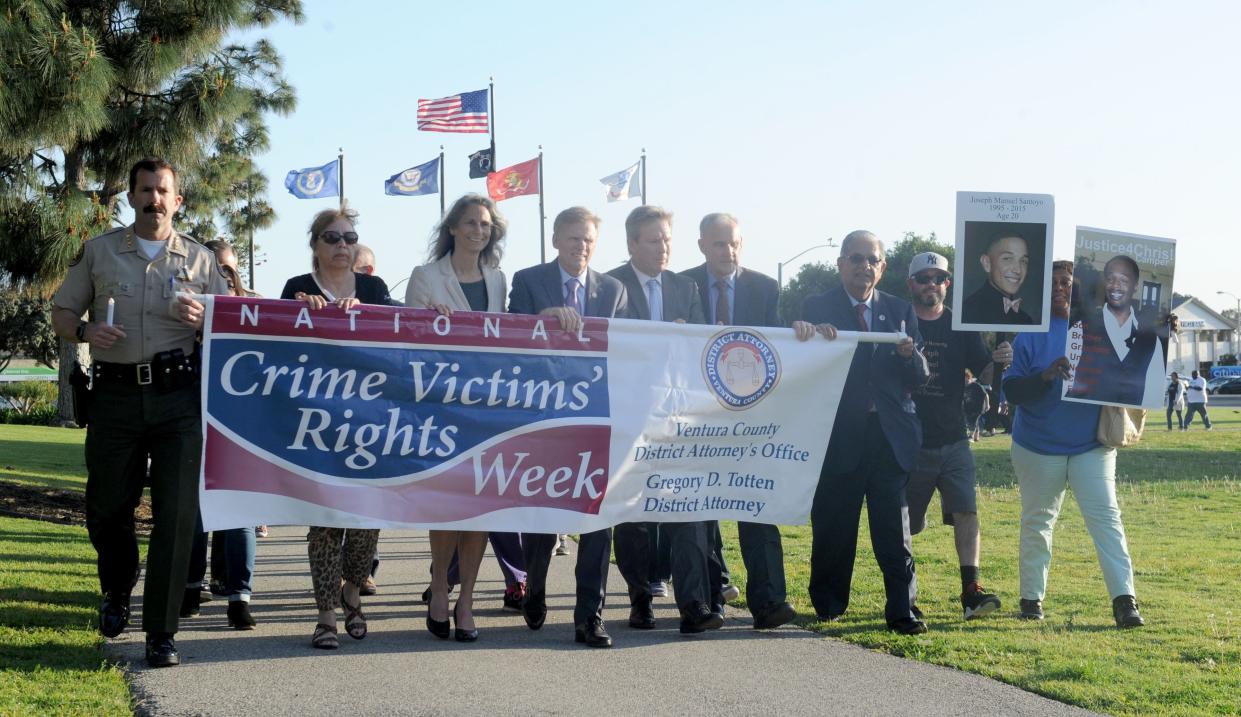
[(542, 216), (441, 180), (644, 176), (491, 119), (340, 176)]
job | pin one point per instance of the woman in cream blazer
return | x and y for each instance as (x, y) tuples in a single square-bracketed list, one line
[(463, 275)]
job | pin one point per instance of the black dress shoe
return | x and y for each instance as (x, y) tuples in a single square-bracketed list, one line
[(594, 634), (113, 613), (908, 626), (190, 602), (534, 609), (161, 650), (774, 615), (239, 617), (641, 616), (698, 619), (1125, 612)]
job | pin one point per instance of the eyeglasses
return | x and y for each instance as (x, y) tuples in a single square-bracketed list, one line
[(937, 279), (332, 237), (860, 259)]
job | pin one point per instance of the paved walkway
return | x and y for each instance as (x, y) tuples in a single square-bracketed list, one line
[(400, 669)]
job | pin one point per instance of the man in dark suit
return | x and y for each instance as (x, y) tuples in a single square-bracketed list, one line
[(735, 296), (875, 439), (656, 294), (568, 289)]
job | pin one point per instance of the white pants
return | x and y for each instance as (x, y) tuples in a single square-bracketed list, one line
[(1092, 476)]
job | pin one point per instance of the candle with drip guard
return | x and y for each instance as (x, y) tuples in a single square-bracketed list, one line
[(111, 309)]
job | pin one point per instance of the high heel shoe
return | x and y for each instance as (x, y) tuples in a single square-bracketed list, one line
[(439, 628), (458, 634)]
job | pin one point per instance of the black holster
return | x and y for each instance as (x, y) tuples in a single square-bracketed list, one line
[(80, 383)]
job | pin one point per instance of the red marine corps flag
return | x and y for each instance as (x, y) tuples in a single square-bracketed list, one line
[(514, 181)]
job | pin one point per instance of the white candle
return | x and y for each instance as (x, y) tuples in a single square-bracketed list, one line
[(111, 309)]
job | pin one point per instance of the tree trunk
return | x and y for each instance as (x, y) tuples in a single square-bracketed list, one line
[(69, 353)]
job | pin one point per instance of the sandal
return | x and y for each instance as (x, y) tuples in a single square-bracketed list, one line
[(355, 621), (324, 637)]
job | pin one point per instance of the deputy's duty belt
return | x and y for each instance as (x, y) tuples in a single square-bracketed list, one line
[(169, 370)]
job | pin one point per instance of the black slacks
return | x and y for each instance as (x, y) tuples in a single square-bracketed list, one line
[(690, 547), (594, 551), (837, 508), (763, 554), (128, 424)]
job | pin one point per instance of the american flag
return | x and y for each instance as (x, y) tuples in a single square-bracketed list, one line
[(466, 112)]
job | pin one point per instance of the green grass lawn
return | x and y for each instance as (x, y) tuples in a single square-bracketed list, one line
[(1180, 494), (50, 656)]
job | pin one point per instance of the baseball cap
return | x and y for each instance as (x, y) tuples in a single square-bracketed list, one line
[(928, 260)]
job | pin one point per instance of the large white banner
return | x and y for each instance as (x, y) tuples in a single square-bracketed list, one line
[(392, 417)]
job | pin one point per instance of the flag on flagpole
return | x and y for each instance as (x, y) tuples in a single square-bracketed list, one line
[(623, 185), (514, 181), (466, 112), (481, 163), (415, 181), (314, 182)]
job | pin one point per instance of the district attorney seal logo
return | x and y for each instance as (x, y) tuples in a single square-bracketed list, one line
[(740, 367)]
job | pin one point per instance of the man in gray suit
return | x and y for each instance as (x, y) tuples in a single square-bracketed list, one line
[(735, 296), (569, 289), (656, 294)]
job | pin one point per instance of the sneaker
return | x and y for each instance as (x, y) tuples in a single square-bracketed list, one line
[(368, 587), (730, 593), (1210, 427), (1125, 612), (659, 588), (562, 546), (260, 531), (977, 602), (513, 595), (1031, 609)]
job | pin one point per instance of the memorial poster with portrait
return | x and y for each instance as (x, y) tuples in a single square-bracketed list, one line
[(1118, 318), (1003, 262)]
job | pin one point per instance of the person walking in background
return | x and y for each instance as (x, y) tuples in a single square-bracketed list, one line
[(1174, 399), (337, 552), (1196, 398), (1054, 448)]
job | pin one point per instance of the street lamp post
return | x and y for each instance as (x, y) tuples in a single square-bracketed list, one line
[(1236, 319), (780, 265)]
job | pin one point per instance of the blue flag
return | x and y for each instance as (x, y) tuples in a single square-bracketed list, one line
[(314, 182), (415, 181)]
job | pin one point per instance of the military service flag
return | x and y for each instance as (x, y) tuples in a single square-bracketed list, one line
[(481, 163), (314, 182), (415, 181), (514, 181)]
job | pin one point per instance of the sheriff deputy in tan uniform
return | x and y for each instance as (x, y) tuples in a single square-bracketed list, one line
[(144, 398)]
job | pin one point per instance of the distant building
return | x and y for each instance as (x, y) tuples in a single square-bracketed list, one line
[(1205, 336)]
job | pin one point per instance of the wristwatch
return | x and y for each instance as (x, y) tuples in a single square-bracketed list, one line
[(81, 332)]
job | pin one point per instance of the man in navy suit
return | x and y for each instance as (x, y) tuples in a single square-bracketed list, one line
[(734, 296), (875, 439), (656, 294), (568, 289)]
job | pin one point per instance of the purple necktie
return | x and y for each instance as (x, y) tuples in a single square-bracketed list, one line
[(570, 299)]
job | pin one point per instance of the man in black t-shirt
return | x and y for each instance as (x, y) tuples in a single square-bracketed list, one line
[(945, 461)]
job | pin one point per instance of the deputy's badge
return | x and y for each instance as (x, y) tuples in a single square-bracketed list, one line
[(740, 367), (184, 274)]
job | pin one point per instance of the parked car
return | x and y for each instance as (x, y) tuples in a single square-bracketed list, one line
[(1231, 386), (1218, 381)]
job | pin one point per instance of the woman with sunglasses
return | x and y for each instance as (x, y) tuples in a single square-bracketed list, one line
[(463, 275), (337, 552)]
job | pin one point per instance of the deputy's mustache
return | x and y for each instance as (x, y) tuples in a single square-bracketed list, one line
[(152, 209)]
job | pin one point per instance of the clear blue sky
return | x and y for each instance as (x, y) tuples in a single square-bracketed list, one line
[(806, 120)]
